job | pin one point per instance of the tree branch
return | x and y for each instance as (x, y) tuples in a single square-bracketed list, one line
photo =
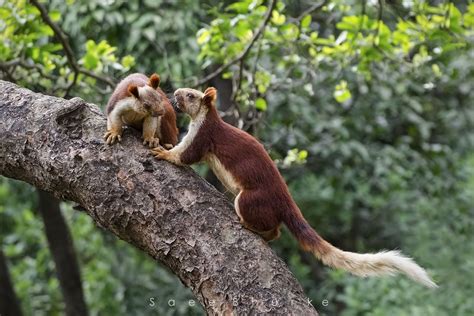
[(167, 211), (24, 64), (244, 53), (62, 37), (311, 9)]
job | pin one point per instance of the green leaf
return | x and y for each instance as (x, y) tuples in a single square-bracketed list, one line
[(128, 61), (262, 80), (349, 23), (302, 155), (436, 70), (90, 61), (55, 15), (261, 104), (290, 31), (277, 18), (227, 75), (243, 30), (295, 156), (203, 36), (306, 21), (240, 6), (342, 93)]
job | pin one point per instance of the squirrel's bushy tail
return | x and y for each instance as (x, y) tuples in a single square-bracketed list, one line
[(368, 264)]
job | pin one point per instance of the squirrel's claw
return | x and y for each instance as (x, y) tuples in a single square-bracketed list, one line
[(110, 137), (159, 152), (151, 142)]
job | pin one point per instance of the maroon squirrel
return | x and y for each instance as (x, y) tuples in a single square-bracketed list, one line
[(263, 200), (138, 102)]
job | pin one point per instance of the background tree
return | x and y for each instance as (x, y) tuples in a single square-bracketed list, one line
[(364, 105), (9, 304), (62, 251)]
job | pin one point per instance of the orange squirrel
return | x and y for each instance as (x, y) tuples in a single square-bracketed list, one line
[(263, 200), (137, 101)]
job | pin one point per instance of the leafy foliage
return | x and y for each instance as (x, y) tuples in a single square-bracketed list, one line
[(38, 61)]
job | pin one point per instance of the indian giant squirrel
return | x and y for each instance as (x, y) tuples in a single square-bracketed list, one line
[(263, 200)]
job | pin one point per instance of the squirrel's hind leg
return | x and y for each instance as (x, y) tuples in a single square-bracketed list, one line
[(256, 216)]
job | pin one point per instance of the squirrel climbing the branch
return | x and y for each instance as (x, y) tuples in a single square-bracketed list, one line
[(263, 200)]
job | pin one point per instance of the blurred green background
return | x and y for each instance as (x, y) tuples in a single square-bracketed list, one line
[(365, 106)]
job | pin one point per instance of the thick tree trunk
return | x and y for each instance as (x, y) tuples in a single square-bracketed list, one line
[(167, 211), (62, 249), (9, 305)]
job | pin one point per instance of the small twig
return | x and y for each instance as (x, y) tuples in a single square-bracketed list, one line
[(8, 74), (254, 71), (10, 63), (380, 13), (22, 63), (311, 9), (111, 82), (379, 19), (244, 53), (236, 89), (61, 36), (72, 84)]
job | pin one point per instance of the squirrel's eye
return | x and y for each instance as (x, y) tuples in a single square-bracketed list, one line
[(190, 96)]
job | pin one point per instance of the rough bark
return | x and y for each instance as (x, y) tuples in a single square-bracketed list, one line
[(167, 211), (64, 256), (9, 305)]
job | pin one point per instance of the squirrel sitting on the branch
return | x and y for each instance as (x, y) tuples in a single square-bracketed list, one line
[(263, 200), (138, 102)]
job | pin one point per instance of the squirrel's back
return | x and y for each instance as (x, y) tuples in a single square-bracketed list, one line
[(121, 91)]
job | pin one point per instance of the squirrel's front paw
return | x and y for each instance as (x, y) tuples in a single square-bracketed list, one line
[(112, 136), (168, 146), (159, 152), (152, 142)]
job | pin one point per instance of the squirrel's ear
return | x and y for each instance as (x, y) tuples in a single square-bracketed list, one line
[(210, 96), (154, 81), (133, 91)]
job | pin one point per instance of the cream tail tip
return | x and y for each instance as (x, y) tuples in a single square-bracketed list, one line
[(407, 266), (377, 264)]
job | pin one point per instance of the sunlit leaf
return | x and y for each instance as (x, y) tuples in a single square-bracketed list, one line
[(277, 18), (306, 21), (261, 104), (341, 92), (203, 36)]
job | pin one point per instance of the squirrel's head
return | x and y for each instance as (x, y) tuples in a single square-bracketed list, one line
[(149, 100), (193, 102)]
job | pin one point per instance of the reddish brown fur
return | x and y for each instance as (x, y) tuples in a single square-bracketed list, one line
[(154, 81), (133, 90), (121, 91), (169, 130), (264, 201), (128, 86)]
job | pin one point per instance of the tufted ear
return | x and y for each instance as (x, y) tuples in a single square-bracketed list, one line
[(133, 91), (210, 96), (154, 81)]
